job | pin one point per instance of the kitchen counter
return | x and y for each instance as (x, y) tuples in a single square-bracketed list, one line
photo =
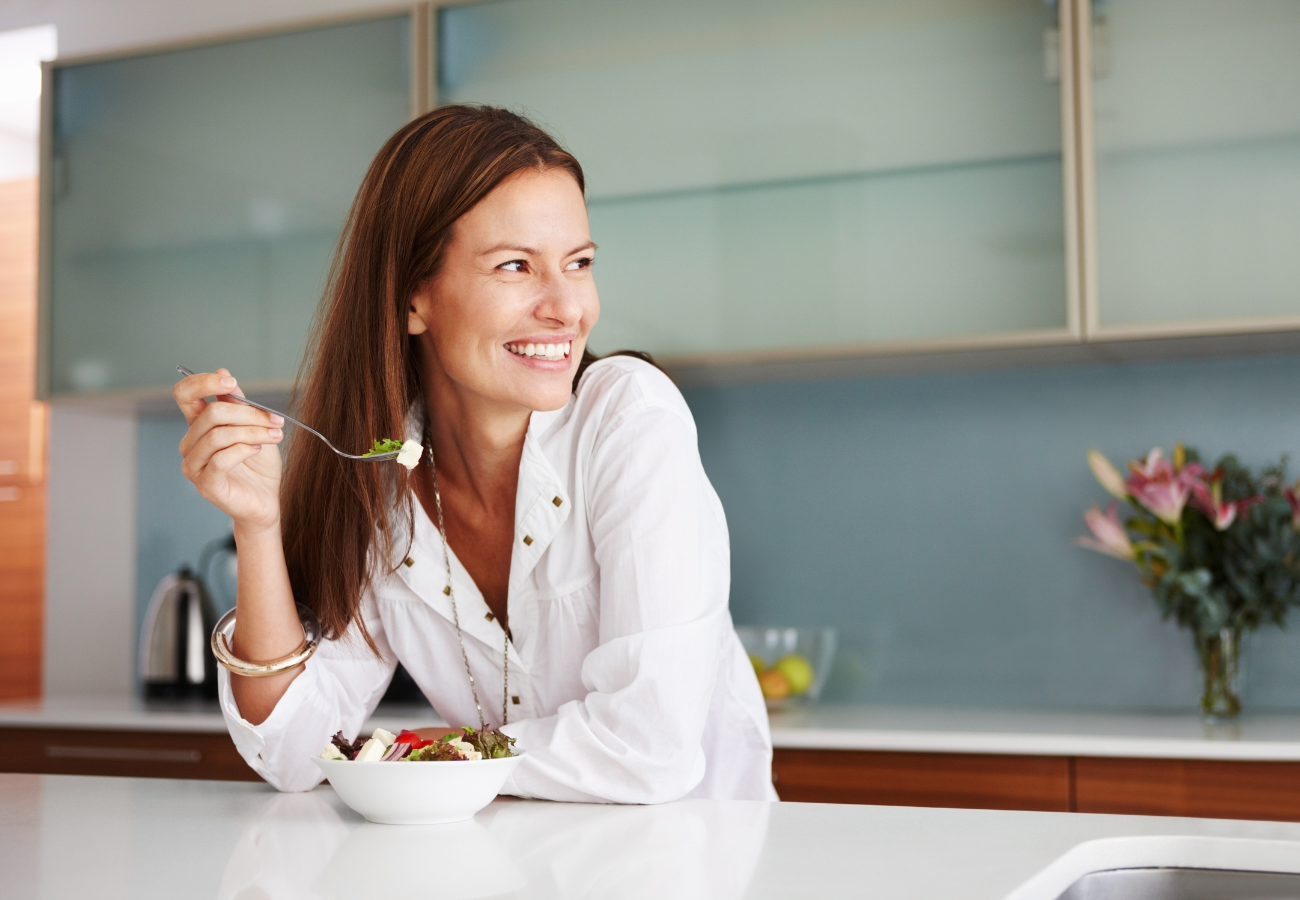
[(131, 714), (826, 727), (1259, 736), (76, 836)]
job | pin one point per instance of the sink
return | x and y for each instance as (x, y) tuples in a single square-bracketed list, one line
[(1184, 884), (1169, 867)]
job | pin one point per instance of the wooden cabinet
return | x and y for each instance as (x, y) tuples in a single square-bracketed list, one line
[(22, 450), (136, 754), (1217, 789), (960, 780)]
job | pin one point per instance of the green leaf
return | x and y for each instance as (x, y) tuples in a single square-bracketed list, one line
[(384, 445)]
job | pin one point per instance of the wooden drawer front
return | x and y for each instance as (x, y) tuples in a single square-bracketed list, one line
[(964, 781), (1185, 787), (22, 588), (135, 754)]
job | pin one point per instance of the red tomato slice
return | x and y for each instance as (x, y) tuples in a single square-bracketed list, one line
[(410, 737)]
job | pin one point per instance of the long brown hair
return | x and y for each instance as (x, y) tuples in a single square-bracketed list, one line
[(360, 376)]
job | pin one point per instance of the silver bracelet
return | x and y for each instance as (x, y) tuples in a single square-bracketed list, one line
[(221, 647)]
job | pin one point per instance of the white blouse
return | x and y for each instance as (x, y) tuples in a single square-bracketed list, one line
[(627, 682)]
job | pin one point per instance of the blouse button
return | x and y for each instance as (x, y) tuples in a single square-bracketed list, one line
[(557, 501), (409, 562), (528, 541), (489, 617)]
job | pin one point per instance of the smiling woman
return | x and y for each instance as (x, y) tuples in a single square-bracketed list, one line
[(561, 547)]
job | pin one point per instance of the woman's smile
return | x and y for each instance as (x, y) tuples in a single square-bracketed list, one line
[(550, 352)]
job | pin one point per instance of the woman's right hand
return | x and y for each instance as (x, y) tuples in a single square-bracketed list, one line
[(231, 451)]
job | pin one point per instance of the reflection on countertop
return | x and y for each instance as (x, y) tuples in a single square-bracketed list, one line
[(308, 846), (77, 836)]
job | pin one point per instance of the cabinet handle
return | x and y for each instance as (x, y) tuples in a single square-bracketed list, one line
[(139, 754)]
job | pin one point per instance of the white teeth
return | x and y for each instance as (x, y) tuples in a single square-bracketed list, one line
[(545, 351)]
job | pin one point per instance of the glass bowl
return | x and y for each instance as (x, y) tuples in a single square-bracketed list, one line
[(795, 662)]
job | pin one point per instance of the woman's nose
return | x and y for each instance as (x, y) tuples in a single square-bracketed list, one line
[(559, 301)]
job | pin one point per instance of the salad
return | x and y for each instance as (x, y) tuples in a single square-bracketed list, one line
[(408, 452), (384, 746)]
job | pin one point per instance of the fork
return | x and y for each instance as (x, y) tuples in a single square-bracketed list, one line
[(374, 457)]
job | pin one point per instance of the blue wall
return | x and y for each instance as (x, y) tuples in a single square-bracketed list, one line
[(930, 519), (174, 522)]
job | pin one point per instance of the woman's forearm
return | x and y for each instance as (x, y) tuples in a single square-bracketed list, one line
[(266, 620)]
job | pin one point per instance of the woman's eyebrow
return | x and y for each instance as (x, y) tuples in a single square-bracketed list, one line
[(515, 248)]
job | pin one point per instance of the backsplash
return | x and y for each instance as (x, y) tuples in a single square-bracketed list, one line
[(930, 519)]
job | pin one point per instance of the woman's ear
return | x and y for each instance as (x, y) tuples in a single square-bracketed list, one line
[(415, 323)]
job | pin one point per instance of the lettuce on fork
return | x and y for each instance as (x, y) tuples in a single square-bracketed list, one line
[(408, 452)]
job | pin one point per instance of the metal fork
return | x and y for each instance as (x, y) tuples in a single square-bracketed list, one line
[(374, 457)]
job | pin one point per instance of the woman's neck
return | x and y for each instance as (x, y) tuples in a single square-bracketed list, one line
[(477, 445)]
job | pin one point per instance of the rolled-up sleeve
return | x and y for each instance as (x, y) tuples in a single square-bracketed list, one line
[(338, 689), (660, 541)]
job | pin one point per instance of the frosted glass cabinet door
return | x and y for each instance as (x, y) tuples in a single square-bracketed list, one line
[(1197, 120), (199, 193), (771, 175)]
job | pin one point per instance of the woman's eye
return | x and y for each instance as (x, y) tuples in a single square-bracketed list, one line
[(515, 265), (584, 263)]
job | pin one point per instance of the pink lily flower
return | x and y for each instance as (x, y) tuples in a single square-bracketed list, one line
[(1154, 483), (1109, 536), (1294, 501), (1209, 500), (1107, 474)]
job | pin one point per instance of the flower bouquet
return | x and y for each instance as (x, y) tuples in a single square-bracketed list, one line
[(1219, 548)]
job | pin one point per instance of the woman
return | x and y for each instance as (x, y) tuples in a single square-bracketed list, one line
[(557, 566)]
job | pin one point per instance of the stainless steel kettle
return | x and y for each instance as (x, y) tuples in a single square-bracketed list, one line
[(176, 660)]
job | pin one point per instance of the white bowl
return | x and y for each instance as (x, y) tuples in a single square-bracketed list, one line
[(418, 793)]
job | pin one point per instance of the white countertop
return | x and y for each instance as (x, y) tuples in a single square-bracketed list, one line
[(1259, 736), (65, 836)]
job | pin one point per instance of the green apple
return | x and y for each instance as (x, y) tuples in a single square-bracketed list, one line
[(797, 671), (760, 666)]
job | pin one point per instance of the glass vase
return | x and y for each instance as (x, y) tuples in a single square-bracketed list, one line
[(1221, 671)]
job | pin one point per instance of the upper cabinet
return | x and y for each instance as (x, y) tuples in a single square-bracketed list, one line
[(767, 180), (1195, 115), (194, 197), (767, 176)]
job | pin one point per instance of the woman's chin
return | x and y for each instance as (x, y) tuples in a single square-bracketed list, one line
[(542, 391)]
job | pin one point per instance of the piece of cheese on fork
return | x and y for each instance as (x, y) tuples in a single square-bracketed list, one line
[(410, 454)]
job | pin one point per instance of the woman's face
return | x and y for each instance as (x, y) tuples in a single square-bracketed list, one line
[(508, 316)]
